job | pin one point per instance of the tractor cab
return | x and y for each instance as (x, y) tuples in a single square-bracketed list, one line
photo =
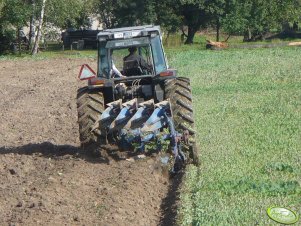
[(114, 46), (131, 64)]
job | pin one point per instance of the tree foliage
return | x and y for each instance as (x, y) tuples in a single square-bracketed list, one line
[(14, 13), (254, 18), (105, 10), (251, 18), (68, 13), (121, 13)]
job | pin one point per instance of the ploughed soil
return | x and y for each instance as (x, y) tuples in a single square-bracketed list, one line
[(46, 179)]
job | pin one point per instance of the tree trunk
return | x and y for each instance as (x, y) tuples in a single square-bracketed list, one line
[(31, 26), (218, 26), (226, 40), (31, 31), (248, 35), (183, 35), (190, 36), (166, 39), (36, 44), (295, 26), (19, 41)]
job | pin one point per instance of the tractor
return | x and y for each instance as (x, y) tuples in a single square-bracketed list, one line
[(136, 105)]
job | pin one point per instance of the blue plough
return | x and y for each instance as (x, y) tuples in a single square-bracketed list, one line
[(142, 123)]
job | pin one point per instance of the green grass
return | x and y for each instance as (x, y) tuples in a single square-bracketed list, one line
[(53, 51), (248, 118), (174, 41)]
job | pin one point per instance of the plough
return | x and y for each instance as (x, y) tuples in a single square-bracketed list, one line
[(143, 123)]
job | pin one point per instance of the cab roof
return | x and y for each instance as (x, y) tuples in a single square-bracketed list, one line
[(137, 31)]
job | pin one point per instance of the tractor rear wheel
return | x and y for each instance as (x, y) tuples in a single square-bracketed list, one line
[(178, 91), (90, 105)]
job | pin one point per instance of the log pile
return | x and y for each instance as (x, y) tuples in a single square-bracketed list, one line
[(216, 45)]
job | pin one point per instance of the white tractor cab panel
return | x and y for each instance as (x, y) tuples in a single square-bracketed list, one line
[(113, 45)]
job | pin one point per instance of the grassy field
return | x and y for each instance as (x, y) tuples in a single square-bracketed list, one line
[(248, 117)]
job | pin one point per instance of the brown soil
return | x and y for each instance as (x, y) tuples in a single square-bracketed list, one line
[(46, 179)]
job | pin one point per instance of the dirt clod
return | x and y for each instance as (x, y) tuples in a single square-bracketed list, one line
[(31, 205), (75, 218), (19, 204), (12, 171)]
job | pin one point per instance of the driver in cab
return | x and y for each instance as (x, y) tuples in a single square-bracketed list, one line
[(134, 57)]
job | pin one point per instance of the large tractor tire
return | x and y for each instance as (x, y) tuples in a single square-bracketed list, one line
[(90, 105), (178, 91)]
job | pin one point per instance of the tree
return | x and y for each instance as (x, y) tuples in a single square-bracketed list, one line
[(36, 44), (105, 9), (168, 15), (234, 20), (32, 23), (217, 11), (171, 14), (194, 17), (62, 14), (255, 18), (121, 13), (69, 13), (14, 15), (202, 13)]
